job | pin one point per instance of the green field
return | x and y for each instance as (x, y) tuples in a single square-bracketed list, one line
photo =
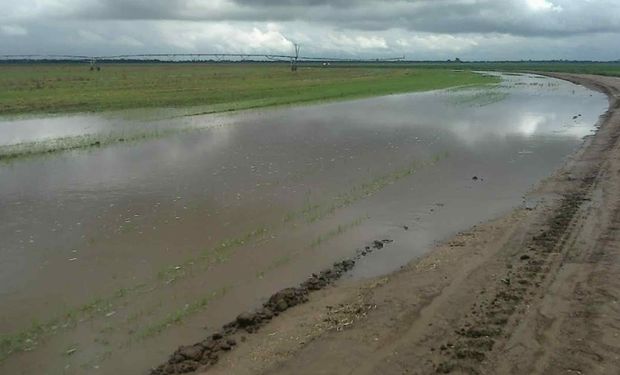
[(61, 88), (600, 68), (605, 69)]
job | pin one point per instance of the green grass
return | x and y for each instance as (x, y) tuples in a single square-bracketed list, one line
[(60, 88), (11, 152), (179, 315), (313, 212), (600, 68), (28, 338), (338, 231), (605, 69), (211, 256), (478, 97)]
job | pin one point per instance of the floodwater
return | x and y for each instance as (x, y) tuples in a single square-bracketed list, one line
[(113, 256)]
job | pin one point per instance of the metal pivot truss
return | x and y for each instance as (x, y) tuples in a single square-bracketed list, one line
[(95, 61)]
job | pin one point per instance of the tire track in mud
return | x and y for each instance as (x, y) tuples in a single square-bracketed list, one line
[(494, 319), (481, 309), (491, 318)]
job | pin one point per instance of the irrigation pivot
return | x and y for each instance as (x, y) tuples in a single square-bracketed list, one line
[(96, 61), (296, 58)]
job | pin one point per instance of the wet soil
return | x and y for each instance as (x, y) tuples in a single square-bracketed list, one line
[(533, 292), (202, 355), (113, 257)]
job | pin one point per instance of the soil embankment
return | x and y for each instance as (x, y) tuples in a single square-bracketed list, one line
[(533, 292)]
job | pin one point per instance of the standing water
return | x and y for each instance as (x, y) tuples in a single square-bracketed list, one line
[(113, 255)]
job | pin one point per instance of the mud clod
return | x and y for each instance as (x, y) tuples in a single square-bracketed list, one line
[(207, 353), (193, 352), (246, 319)]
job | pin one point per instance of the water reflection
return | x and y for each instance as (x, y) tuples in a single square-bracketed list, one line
[(114, 216)]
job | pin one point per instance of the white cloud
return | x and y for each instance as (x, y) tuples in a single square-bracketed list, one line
[(440, 42), (420, 29), (225, 37), (542, 5), (13, 30), (351, 43), (93, 38)]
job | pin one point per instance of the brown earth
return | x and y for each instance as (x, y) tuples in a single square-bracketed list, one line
[(535, 292)]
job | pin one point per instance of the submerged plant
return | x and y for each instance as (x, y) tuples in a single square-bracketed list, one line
[(339, 230), (479, 98), (179, 315), (29, 338), (87, 141)]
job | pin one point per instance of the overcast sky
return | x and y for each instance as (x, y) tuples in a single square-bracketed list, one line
[(418, 29)]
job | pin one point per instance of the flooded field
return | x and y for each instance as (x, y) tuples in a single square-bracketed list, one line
[(161, 227)]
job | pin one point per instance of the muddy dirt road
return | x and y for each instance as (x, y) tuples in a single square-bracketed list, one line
[(534, 292)]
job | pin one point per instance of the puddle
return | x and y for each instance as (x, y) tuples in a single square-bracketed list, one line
[(113, 256)]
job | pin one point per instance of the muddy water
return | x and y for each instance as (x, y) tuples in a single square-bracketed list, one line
[(113, 256)]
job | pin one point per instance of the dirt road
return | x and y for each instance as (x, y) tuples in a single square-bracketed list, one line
[(535, 292)]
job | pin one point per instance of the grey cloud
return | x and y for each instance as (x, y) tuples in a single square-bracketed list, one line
[(439, 16), (134, 9), (478, 28)]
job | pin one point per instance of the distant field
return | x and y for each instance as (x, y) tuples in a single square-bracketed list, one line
[(605, 69), (57, 88)]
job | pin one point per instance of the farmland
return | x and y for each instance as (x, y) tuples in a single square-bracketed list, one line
[(63, 88)]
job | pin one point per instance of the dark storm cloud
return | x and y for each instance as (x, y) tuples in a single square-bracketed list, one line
[(515, 17), (422, 28), (135, 9), (301, 2)]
